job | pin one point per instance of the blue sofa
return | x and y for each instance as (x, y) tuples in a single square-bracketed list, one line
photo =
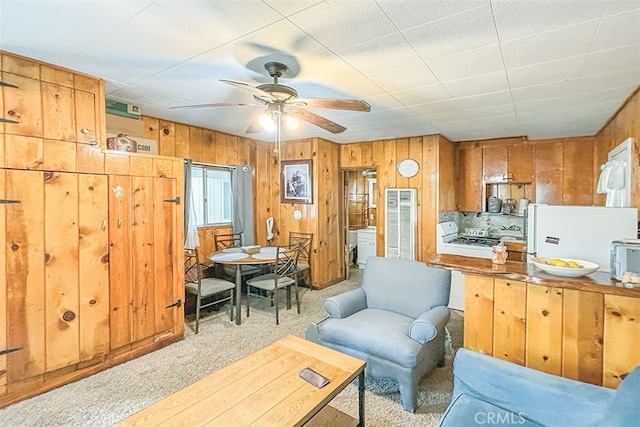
[(490, 391), (395, 322)]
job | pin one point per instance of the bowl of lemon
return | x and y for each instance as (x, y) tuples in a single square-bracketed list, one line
[(565, 266)]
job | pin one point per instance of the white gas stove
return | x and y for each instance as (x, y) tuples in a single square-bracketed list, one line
[(473, 243)]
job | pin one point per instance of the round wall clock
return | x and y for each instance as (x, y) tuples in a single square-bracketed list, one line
[(408, 168)]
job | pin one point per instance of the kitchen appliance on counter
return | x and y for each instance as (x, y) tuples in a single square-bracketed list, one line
[(625, 257), (580, 232)]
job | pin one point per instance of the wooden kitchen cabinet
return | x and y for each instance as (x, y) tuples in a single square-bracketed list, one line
[(570, 332), (549, 162), (508, 164), (469, 181)]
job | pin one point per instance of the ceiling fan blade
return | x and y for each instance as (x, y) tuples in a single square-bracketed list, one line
[(255, 126), (217, 104), (251, 89), (317, 120), (337, 104)]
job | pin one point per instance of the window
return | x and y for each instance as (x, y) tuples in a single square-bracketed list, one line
[(212, 198)]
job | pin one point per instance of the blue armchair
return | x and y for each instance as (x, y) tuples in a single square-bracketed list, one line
[(395, 322), (490, 391)]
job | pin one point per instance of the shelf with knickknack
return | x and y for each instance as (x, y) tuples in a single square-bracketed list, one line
[(510, 192)]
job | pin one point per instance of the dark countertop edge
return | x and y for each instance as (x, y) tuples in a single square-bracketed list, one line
[(514, 270)]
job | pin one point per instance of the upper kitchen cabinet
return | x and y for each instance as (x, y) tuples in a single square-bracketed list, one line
[(470, 198), (507, 164)]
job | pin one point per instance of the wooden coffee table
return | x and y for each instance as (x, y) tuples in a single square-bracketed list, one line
[(264, 389)]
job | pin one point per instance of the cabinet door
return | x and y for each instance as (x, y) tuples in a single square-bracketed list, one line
[(520, 163), (24, 274), (120, 270), (168, 286), (494, 164), (22, 104), (470, 179), (548, 173), (3, 285), (58, 105)]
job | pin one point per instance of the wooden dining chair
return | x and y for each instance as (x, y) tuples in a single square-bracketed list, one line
[(305, 240), (282, 277), (207, 290)]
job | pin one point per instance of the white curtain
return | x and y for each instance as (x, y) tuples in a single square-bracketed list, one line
[(191, 238)]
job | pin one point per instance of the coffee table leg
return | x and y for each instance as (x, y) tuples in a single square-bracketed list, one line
[(361, 399), (238, 295)]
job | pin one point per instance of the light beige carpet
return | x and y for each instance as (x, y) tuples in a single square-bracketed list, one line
[(112, 395)]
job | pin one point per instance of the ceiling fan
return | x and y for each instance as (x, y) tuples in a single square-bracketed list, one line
[(282, 100)]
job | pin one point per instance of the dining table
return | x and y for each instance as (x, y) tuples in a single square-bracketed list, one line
[(238, 257)]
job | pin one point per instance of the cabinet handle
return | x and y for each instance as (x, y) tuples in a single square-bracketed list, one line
[(85, 131), (104, 224), (3, 120), (119, 222), (178, 303)]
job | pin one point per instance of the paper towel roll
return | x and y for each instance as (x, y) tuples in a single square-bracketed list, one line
[(522, 206)]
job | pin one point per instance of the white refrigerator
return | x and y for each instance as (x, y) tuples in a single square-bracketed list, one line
[(579, 232)]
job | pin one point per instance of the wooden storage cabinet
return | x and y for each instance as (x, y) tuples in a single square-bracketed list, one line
[(142, 224), (512, 163), (88, 278), (56, 274), (567, 332)]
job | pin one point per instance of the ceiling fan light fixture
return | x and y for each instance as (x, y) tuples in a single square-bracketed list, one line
[(292, 122), (267, 122)]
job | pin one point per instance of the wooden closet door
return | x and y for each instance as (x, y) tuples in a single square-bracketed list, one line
[(167, 290), (25, 275), (93, 263), (62, 336), (3, 283), (120, 270)]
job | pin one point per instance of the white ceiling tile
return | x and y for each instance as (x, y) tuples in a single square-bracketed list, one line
[(289, 7), (105, 68), (492, 111), (616, 79), (549, 90), (465, 31), (406, 77), (552, 71), (484, 100), (168, 40), (225, 19), (564, 42), (494, 82), (339, 24), (618, 30), (412, 13), (360, 87), (615, 7), (517, 19), (485, 60), (384, 53), (606, 61), (421, 95)]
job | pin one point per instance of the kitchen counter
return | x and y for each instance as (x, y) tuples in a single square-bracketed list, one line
[(525, 272), (578, 328)]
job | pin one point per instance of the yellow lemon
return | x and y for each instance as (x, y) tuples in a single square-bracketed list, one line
[(558, 262), (573, 264)]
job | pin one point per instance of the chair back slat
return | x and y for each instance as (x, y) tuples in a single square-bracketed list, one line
[(305, 240), (226, 241)]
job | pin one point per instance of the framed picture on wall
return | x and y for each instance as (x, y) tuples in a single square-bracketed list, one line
[(296, 185)]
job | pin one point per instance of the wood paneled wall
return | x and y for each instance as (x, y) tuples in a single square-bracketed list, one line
[(434, 181), (624, 124)]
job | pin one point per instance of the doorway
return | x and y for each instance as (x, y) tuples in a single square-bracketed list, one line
[(359, 209)]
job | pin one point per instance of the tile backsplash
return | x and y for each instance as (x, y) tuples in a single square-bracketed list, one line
[(499, 225)]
